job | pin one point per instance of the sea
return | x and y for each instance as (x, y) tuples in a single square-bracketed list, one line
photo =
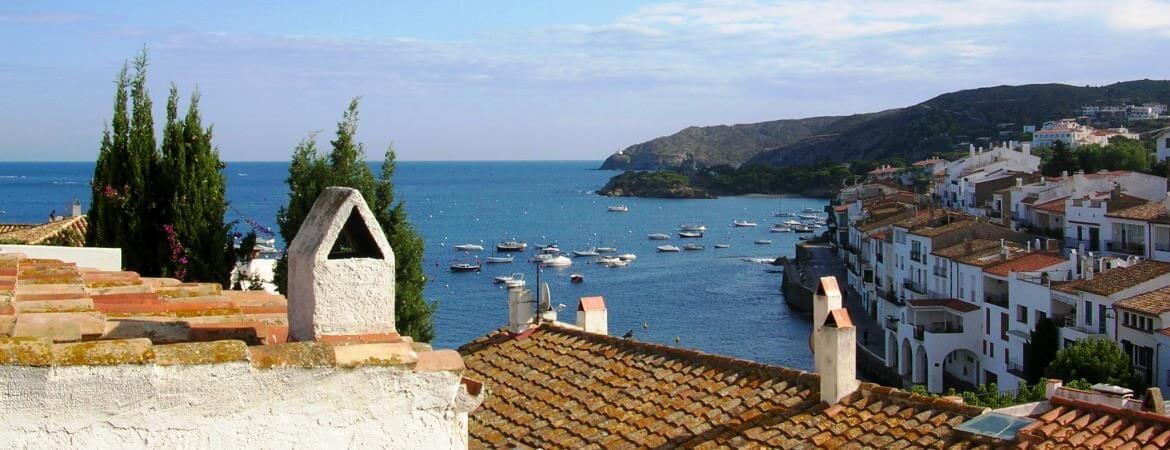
[(721, 301)]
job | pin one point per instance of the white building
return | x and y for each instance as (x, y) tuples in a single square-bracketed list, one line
[(1140, 320), (1162, 143), (957, 188)]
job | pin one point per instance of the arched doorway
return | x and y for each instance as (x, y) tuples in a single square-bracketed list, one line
[(961, 370), (892, 350), (907, 359), (920, 365)]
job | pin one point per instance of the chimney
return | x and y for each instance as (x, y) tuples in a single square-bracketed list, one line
[(1166, 202), (834, 344), (1050, 387), (1078, 178), (1003, 250), (336, 290), (1064, 175), (592, 315), (1019, 181), (1029, 246), (1050, 245), (1026, 147), (971, 149), (76, 208), (520, 310), (1153, 401)]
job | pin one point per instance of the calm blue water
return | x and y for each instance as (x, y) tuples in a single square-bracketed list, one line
[(711, 300)]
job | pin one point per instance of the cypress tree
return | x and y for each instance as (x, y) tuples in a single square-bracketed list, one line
[(309, 175)]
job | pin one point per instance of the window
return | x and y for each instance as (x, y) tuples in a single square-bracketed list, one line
[(987, 321), (1022, 314), (1088, 312), (991, 347), (1003, 326), (1007, 354), (1040, 316)]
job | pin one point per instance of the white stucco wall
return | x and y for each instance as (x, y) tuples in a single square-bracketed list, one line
[(90, 257), (227, 406)]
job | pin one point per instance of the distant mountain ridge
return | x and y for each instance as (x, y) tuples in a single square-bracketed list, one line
[(914, 132)]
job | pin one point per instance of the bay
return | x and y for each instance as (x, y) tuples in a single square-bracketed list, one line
[(710, 300)]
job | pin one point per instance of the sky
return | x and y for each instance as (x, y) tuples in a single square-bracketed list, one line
[(539, 80)]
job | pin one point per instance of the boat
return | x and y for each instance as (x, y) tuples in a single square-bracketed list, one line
[(619, 208), (722, 245), (686, 227), (743, 223), (551, 250), (499, 259), (511, 245), (542, 257), (627, 256), (604, 259), (784, 214), (780, 228), (576, 278), (809, 216), (690, 234), (667, 248), (809, 210), (511, 281), (802, 229), (465, 267), (693, 247), (615, 263), (606, 250), (587, 252), (468, 247), (763, 241), (658, 237), (792, 222), (558, 261)]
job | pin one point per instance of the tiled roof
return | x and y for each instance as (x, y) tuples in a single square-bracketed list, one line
[(1029, 262), (949, 303), (9, 227), (1115, 280), (1154, 302), (943, 229), (881, 235), (1079, 424), (563, 388), (927, 162), (591, 304), (883, 170), (39, 234), (1125, 201), (1055, 206), (1148, 211), (969, 248)]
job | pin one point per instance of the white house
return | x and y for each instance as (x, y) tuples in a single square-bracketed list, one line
[(1139, 321), (1162, 143), (957, 185), (1086, 305)]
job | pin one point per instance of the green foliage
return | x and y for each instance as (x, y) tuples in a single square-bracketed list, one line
[(818, 179), (138, 189), (1045, 341), (1095, 360), (1120, 154), (310, 173), (989, 396)]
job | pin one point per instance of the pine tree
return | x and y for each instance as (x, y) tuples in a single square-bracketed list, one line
[(309, 175)]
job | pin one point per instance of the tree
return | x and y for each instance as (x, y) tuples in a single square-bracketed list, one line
[(310, 173), (1062, 160), (1096, 360), (1045, 341)]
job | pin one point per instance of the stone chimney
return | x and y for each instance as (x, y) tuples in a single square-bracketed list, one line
[(1153, 402), (1050, 387), (76, 212), (834, 343), (520, 309), (592, 315), (341, 271)]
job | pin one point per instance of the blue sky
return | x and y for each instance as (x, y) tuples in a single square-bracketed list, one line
[(543, 79)]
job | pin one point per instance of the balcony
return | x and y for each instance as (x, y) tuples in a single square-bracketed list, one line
[(914, 286), (939, 271), (1131, 248), (849, 248), (890, 296), (917, 256), (1016, 368), (891, 324), (1000, 300), (1086, 244)]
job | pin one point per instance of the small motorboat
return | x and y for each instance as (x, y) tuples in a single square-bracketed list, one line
[(542, 257), (780, 228), (690, 234), (627, 256), (468, 247), (558, 261), (763, 242), (605, 259), (606, 250), (784, 214), (693, 247), (743, 223), (809, 216), (659, 237), (551, 250), (792, 222), (722, 245), (465, 267), (499, 259), (511, 245), (668, 248), (619, 208), (802, 229), (686, 227), (615, 263), (511, 281), (809, 210), (576, 278), (586, 252)]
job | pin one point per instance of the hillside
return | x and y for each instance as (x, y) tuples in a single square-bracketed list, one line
[(937, 125)]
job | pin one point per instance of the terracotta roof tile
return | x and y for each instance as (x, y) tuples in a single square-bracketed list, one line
[(1079, 424), (39, 234), (969, 248), (1115, 280), (1029, 262), (1154, 302), (591, 304), (563, 388), (1148, 211), (1055, 206)]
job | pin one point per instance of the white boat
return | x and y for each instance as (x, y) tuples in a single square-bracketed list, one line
[(808, 210), (508, 279), (615, 263), (743, 223), (780, 228), (558, 261), (693, 247), (690, 234), (809, 216), (499, 259), (763, 241), (511, 245), (667, 248), (468, 247), (658, 237), (551, 250), (606, 259), (784, 214), (587, 252), (619, 208), (722, 245), (792, 222), (542, 257), (606, 250), (802, 229), (627, 256), (685, 227), (465, 267)]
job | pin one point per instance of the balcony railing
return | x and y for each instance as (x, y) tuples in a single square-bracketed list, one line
[(1016, 368), (890, 296), (916, 256), (919, 332), (914, 286), (1132, 248), (940, 271), (891, 324), (1000, 300)]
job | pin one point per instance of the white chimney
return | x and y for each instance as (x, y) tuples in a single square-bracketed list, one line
[(1026, 148), (592, 315), (76, 208), (1050, 387), (1078, 179), (1166, 202), (520, 309), (834, 344), (971, 149)]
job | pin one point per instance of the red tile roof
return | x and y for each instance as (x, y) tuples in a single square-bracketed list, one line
[(1055, 206), (1154, 302), (591, 304), (1079, 424), (1029, 262), (949, 303), (1148, 211), (1116, 280)]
